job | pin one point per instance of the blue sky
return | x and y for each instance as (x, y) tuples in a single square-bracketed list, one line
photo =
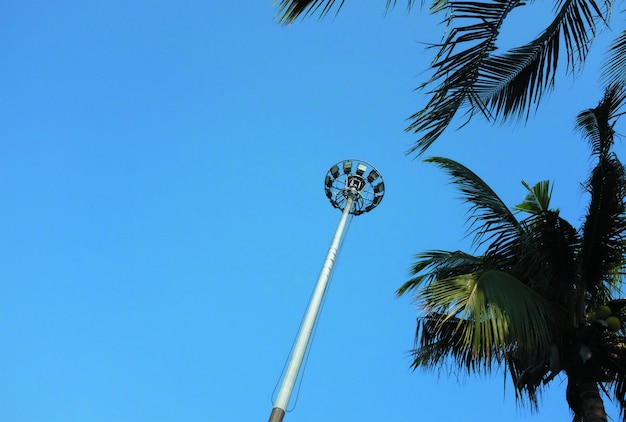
[(164, 219)]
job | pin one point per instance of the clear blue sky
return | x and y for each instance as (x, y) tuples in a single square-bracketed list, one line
[(164, 221)]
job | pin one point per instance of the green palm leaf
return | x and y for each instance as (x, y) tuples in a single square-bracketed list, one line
[(489, 217), (432, 265), (500, 315), (538, 198)]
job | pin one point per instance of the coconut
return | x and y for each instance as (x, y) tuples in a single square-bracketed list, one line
[(613, 323), (603, 312)]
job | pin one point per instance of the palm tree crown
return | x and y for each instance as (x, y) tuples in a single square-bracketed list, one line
[(540, 299)]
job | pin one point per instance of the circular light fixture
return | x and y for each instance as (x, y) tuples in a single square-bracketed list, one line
[(354, 179)]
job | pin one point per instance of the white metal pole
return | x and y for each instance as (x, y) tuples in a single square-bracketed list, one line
[(284, 394)]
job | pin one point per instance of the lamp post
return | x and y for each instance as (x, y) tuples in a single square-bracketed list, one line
[(353, 192)]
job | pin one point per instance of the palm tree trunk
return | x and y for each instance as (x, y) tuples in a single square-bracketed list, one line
[(591, 402)]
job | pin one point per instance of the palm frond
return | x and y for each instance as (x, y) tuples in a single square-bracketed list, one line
[(438, 339), (392, 3), (546, 259), (527, 380), (290, 10), (615, 66), (545, 256), (596, 124), (457, 71), (604, 245), (619, 385), (434, 119), (604, 228), (489, 217), (506, 85), (439, 264), (538, 198), (501, 315), (510, 84)]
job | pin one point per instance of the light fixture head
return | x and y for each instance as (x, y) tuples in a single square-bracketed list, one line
[(339, 187)]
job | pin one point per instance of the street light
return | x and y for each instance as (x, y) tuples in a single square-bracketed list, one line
[(352, 194)]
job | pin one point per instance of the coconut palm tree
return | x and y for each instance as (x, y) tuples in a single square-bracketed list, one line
[(470, 73), (542, 298)]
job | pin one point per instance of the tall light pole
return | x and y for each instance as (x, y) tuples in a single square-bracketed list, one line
[(352, 191)]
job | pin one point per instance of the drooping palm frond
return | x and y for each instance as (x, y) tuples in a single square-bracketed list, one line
[(467, 73), (510, 84), (489, 217), (615, 67), (456, 72), (432, 265), (495, 315), (604, 228), (438, 339)]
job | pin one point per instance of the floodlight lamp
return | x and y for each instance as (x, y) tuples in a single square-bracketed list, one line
[(360, 169), (372, 176), (347, 167)]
